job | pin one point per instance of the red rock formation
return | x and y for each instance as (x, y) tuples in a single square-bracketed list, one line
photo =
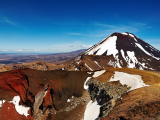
[(15, 81), (52, 89), (47, 99)]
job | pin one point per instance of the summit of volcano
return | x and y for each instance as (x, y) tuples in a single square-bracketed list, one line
[(119, 50)]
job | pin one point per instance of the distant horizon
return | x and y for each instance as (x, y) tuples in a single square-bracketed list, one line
[(64, 26), (30, 53)]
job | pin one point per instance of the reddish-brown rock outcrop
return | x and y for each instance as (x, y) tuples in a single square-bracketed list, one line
[(15, 81), (43, 91)]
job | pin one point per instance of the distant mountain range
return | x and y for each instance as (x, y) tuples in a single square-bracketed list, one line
[(56, 58)]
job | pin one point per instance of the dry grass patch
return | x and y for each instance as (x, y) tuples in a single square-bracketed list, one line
[(137, 104)]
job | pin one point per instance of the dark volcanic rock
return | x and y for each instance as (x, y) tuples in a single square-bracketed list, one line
[(105, 94), (119, 50)]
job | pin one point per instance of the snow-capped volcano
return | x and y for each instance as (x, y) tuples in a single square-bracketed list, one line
[(124, 50)]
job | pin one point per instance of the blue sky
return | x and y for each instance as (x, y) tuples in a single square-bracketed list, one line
[(51, 26)]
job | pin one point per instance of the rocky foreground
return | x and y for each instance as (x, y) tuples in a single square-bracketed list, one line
[(29, 94)]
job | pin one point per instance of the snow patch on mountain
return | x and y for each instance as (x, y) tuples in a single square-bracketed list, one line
[(76, 69), (135, 39), (124, 33), (45, 93), (92, 111), (1, 103), (133, 60), (85, 86), (109, 45), (146, 51), (89, 72), (22, 110), (111, 63), (68, 100), (134, 81), (78, 62), (88, 67), (117, 63), (98, 73), (131, 35), (97, 64)]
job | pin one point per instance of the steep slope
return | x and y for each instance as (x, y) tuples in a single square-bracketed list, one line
[(119, 50), (139, 104)]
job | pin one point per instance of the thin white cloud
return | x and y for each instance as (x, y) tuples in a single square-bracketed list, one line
[(140, 25), (105, 25), (27, 50), (3, 50), (86, 46), (67, 47), (132, 25), (116, 28), (8, 21), (75, 33), (80, 46), (102, 29), (52, 49), (80, 34)]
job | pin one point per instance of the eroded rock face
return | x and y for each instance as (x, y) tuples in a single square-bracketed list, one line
[(45, 92), (15, 83)]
